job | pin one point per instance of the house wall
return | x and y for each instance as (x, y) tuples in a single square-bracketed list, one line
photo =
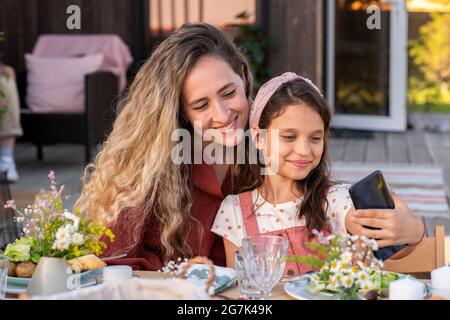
[(24, 20), (297, 25), (298, 28)]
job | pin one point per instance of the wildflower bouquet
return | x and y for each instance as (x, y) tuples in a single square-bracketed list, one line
[(347, 267), (49, 230)]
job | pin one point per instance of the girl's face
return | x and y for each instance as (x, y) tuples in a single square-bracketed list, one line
[(214, 100), (300, 141)]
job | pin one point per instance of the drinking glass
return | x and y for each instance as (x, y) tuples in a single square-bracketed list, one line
[(265, 258), (4, 264), (246, 289)]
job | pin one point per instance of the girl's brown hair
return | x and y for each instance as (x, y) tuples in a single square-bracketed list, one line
[(315, 186)]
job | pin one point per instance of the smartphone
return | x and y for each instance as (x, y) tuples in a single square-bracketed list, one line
[(372, 193)]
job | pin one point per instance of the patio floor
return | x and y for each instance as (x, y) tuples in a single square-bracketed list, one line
[(415, 146)]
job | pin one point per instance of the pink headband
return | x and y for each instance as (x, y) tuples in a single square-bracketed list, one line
[(266, 92)]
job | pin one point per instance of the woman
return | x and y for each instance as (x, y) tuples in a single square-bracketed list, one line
[(197, 80)]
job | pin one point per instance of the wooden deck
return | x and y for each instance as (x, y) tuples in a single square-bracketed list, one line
[(412, 147), (66, 160)]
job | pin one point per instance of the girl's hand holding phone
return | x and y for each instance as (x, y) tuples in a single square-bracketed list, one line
[(395, 226)]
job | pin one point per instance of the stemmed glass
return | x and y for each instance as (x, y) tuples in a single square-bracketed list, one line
[(265, 258)]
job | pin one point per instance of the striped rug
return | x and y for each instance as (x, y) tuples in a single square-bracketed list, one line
[(422, 187)]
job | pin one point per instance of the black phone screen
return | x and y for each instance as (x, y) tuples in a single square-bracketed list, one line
[(372, 192)]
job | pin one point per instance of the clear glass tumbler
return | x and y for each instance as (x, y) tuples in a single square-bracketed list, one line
[(246, 289), (265, 258)]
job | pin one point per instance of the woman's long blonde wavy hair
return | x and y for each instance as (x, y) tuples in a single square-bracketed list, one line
[(133, 180)]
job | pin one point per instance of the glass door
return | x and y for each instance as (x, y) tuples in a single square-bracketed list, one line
[(367, 63)]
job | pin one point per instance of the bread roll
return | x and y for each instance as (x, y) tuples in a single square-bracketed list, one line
[(84, 263), (12, 269), (25, 269)]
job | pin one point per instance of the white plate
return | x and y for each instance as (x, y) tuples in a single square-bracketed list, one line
[(15, 288), (18, 281), (297, 289)]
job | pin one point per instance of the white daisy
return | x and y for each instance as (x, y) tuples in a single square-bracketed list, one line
[(347, 282)]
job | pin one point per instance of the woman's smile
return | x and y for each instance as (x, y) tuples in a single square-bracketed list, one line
[(230, 127), (300, 163)]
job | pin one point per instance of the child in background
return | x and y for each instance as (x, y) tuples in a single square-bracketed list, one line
[(297, 201)]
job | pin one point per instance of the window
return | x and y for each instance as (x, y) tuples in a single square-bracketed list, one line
[(168, 15)]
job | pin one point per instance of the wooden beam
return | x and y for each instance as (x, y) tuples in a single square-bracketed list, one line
[(298, 27), (186, 11), (201, 9)]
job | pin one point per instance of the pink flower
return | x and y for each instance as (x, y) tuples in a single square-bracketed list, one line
[(33, 224), (335, 225), (321, 238), (55, 191), (51, 176), (43, 203), (10, 204)]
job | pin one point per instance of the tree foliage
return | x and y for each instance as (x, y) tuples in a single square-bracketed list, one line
[(256, 46), (431, 52)]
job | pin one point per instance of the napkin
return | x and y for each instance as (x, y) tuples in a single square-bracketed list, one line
[(198, 275), (135, 289)]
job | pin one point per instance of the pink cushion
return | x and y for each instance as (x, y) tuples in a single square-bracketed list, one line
[(117, 56), (57, 84)]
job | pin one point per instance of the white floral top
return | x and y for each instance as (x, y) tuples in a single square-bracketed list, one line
[(272, 217)]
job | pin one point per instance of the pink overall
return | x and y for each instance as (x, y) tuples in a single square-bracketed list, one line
[(296, 236)]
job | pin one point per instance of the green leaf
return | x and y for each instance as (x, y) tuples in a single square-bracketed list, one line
[(320, 248), (310, 260)]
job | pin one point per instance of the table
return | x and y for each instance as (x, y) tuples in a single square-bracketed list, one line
[(278, 292)]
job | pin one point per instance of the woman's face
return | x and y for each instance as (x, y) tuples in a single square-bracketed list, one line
[(214, 101), (299, 132)]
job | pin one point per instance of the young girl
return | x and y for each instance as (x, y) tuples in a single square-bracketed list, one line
[(297, 200)]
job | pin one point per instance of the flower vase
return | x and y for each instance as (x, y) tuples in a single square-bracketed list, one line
[(50, 277)]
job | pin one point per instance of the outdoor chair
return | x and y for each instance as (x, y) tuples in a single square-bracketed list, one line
[(8, 228), (52, 122), (88, 128), (429, 255)]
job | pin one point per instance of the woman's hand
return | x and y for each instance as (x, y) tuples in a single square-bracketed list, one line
[(396, 226)]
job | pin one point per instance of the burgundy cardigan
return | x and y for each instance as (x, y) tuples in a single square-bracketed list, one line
[(207, 197)]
